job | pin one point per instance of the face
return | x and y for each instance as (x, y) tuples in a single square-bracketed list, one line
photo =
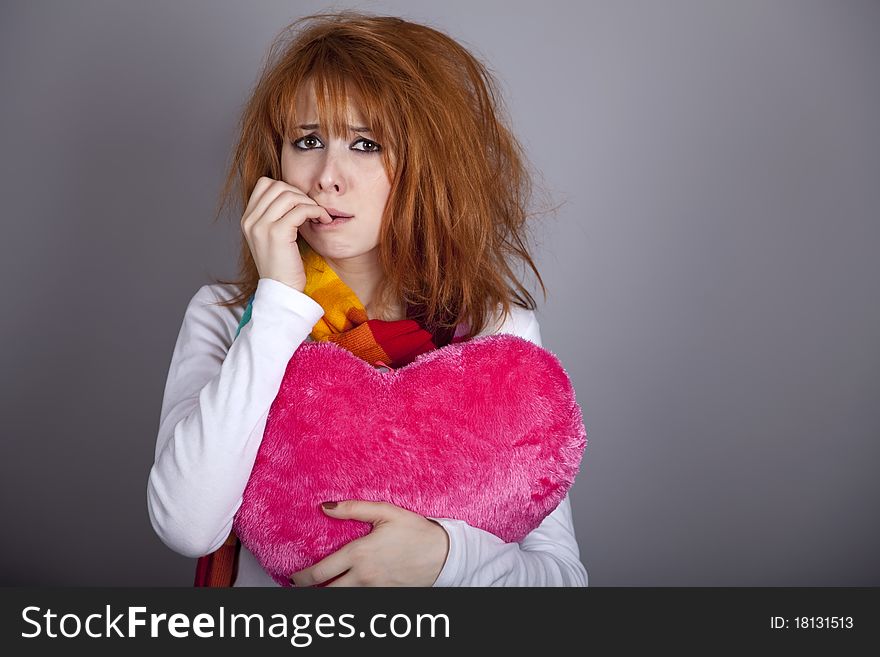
[(345, 174)]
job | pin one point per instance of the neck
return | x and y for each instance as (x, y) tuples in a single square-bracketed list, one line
[(361, 273)]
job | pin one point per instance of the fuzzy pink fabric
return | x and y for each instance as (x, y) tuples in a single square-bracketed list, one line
[(487, 431)]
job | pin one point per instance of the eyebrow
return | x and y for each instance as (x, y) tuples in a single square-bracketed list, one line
[(315, 126)]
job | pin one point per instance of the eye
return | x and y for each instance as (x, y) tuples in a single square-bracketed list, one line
[(304, 140), (369, 146)]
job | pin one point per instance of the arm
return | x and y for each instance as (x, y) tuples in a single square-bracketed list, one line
[(214, 411), (548, 556)]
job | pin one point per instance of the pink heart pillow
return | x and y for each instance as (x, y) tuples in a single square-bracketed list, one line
[(487, 431)]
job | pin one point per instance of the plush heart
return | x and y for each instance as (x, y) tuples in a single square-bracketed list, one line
[(487, 431)]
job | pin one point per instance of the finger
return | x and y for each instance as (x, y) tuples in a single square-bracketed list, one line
[(265, 191), (327, 568), (372, 512), (260, 187), (279, 194), (348, 579), (286, 208)]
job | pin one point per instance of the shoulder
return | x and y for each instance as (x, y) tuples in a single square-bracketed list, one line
[(205, 314), (520, 322), (214, 292), (208, 297)]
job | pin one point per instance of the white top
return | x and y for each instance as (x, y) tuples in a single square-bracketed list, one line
[(214, 411)]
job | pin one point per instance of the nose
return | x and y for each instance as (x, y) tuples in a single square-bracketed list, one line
[(330, 176)]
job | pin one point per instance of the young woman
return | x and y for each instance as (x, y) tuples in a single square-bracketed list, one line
[(384, 207)]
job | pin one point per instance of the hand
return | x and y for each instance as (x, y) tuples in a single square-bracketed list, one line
[(270, 223), (403, 549)]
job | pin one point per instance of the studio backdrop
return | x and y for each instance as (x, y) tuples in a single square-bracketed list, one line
[(712, 267)]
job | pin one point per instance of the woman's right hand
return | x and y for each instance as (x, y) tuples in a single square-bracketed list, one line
[(270, 222)]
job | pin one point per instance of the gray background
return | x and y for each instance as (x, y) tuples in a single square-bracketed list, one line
[(712, 272)]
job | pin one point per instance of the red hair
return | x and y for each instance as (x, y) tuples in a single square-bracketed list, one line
[(454, 225)]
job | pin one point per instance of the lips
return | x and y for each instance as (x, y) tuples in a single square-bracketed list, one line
[(337, 216), (317, 224), (333, 212)]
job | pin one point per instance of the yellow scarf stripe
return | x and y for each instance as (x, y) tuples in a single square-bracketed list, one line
[(345, 317), (335, 297)]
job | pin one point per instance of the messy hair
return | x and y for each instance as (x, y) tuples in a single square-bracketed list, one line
[(454, 225)]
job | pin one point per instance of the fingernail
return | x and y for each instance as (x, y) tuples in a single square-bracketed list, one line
[(328, 505)]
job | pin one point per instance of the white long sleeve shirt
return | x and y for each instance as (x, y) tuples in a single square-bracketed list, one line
[(214, 411)]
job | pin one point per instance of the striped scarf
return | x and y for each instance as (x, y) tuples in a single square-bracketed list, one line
[(345, 322)]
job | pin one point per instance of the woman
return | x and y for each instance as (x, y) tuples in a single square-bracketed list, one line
[(383, 203)]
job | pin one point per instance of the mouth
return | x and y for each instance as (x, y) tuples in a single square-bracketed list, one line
[(338, 216), (337, 220), (337, 213)]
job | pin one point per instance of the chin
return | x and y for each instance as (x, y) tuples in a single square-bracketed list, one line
[(339, 251)]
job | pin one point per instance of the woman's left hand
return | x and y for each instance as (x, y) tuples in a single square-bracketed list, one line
[(403, 549)]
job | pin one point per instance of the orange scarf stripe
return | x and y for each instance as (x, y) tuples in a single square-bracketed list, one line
[(345, 321), (361, 342)]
